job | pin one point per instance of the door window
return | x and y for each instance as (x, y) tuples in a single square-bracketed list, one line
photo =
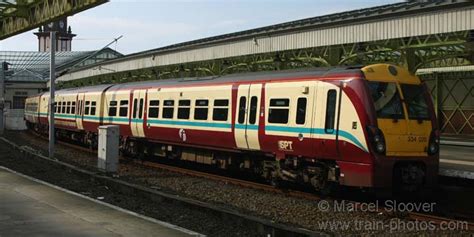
[(242, 105), (253, 110)]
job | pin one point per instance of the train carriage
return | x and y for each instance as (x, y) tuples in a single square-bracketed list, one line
[(364, 127), (32, 105)]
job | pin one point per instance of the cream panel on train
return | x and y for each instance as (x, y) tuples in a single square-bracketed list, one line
[(201, 108), (93, 107), (65, 110), (289, 108), (116, 107), (350, 129), (327, 115)]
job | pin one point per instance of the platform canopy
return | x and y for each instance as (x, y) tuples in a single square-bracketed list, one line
[(17, 16), (34, 66)]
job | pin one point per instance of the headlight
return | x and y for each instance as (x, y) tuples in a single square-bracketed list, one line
[(380, 147), (433, 146), (377, 139)]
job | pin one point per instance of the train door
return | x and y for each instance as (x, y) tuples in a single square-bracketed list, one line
[(138, 113), (80, 111), (326, 114), (247, 116)]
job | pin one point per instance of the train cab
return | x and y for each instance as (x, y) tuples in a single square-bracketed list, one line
[(404, 134)]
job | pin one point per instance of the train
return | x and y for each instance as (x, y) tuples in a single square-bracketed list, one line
[(370, 126)]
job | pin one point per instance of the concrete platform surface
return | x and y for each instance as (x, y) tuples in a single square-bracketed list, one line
[(31, 208), (457, 140), (457, 161)]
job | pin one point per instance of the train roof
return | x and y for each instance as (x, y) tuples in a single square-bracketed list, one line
[(243, 77), (98, 88)]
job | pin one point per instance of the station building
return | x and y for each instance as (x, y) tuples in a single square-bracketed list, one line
[(28, 71)]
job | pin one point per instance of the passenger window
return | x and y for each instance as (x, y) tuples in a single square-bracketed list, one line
[(140, 112), (201, 110), (93, 107), (87, 110), (153, 109), (68, 107), (58, 106), (73, 107), (135, 108), (123, 111), (183, 109), (242, 105), (278, 111), (253, 110), (301, 111), (221, 110), (168, 109), (63, 110), (113, 109), (330, 111)]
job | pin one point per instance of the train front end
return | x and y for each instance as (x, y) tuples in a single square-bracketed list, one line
[(404, 136)]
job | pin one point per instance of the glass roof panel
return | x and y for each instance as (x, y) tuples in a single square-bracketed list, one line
[(31, 65)]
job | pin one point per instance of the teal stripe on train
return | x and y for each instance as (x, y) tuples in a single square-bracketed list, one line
[(190, 123), (269, 128)]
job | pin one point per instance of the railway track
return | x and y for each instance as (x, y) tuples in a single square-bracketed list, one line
[(416, 216)]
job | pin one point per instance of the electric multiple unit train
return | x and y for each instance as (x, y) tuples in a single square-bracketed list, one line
[(371, 126)]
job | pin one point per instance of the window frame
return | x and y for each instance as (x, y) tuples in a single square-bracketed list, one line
[(155, 107), (278, 107), (184, 107), (167, 108), (198, 107), (63, 107), (112, 106), (217, 107), (304, 114), (73, 107), (87, 107), (93, 110), (253, 115), (68, 107), (242, 110), (122, 106), (330, 129)]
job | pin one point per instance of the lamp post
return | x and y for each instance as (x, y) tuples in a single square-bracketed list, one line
[(52, 75), (2, 97)]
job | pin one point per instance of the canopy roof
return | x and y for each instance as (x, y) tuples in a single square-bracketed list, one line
[(34, 66), (17, 16)]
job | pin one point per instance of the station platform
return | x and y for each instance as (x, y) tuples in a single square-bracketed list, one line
[(457, 161), (30, 207), (457, 140)]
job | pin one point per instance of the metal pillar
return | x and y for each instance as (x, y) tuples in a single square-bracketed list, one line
[(2, 98), (52, 78)]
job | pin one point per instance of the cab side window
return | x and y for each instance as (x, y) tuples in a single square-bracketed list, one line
[(330, 111)]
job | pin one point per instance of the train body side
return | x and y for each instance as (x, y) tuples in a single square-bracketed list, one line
[(313, 120)]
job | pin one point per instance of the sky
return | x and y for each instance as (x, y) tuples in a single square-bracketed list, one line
[(149, 24)]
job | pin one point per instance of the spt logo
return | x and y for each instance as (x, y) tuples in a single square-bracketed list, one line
[(285, 145)]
